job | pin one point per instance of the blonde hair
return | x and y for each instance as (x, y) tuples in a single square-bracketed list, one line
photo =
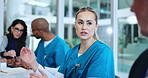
[(96, 18), (95, 36)]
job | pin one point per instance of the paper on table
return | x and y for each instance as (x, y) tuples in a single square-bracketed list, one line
[(12, 70)]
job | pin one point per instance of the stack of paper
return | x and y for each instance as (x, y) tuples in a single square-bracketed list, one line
[(12, 70)]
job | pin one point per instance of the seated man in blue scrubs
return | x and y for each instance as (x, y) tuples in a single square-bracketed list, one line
[(90, 59), (51, 49)]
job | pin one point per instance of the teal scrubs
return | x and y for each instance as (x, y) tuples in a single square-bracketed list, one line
[(53, 54), (96, 62)]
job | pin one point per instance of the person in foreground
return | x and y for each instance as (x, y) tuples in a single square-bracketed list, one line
[(90, 58), (51, 49), (140, 66)]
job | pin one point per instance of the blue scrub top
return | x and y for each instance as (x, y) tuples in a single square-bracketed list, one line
[(53, 54), (96, 62)]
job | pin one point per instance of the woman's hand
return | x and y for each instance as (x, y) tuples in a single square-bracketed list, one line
[(29, 58), (10, 53), (34, 75), (11, 62)]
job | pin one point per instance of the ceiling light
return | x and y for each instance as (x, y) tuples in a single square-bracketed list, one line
[(37, 3), (109, 30)]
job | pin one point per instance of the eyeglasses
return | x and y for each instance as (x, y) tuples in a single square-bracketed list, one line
[(18, 30)]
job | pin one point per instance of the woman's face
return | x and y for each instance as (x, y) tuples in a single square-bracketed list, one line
[(17, 30), (85, 25)]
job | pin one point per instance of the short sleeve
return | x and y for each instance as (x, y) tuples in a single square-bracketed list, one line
[(102, 64)]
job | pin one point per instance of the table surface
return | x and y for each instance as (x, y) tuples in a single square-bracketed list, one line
[(22, 74)]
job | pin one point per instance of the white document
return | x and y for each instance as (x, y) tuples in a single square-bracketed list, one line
[(12, 70)]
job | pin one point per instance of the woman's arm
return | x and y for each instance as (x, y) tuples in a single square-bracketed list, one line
[(3, 43)]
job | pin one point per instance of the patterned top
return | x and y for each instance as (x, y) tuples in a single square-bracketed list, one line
[(3, 43)]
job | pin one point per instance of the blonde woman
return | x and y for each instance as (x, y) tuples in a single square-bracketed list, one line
[(91, 58)]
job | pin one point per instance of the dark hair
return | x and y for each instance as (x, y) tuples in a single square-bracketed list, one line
[(24, 34), (19, 21), (41, 23), (20, 42), (87, 9)]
